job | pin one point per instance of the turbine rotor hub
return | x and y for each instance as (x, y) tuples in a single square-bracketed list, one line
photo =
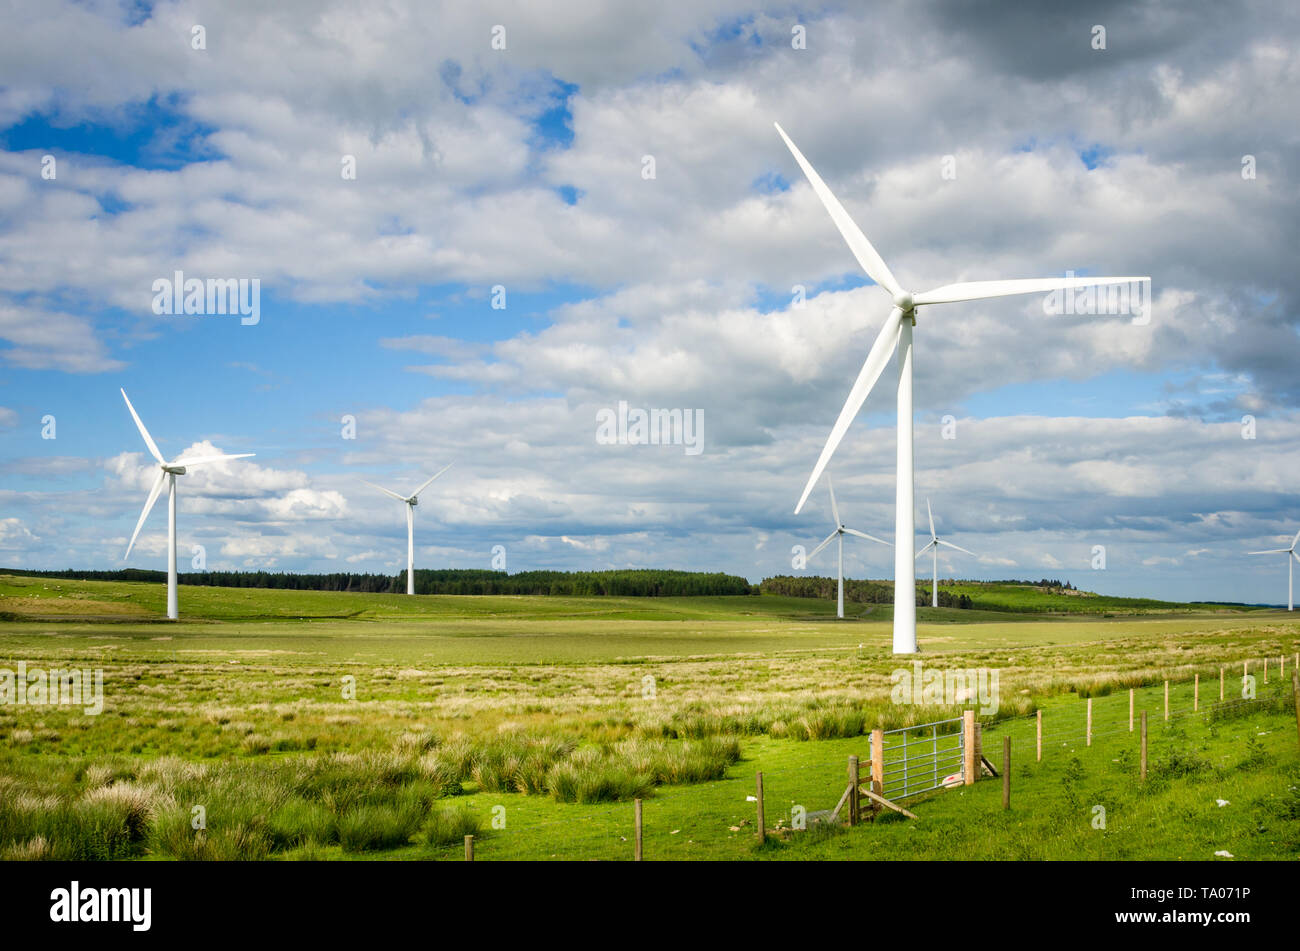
[(903, 301)]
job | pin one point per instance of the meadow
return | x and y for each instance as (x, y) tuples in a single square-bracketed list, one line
[(327, 725)]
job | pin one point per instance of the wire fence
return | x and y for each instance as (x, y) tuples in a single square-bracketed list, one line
[(915, 761)]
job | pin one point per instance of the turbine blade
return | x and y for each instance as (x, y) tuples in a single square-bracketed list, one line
[(835, 510), (978, 290), (930, 512), (148, 505), (873, 538), (958, 547), (928, 546), (1271, 551), (829, 538), (1295, 541), (200, 460), (417, 492), (867, 256), (400, 498), (880, 353), (148, 440)]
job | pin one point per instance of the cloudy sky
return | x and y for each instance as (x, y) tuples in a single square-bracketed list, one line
[(391, 177)]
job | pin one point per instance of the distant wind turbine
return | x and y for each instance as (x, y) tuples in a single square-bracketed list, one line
[(411, 501), (897, 334), (1290, 567), (933, 547), (839, 533), (167, 471)]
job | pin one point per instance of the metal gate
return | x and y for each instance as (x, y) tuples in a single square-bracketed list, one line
[(919, 758)]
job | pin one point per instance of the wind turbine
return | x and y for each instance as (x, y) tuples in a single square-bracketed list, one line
[(411, 501), (897, 334), (933, 546), (839, 533), (1290, 567), (167, 471)]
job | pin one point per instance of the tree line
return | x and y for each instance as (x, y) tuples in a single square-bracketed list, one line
[(645, 582), (859, 592)]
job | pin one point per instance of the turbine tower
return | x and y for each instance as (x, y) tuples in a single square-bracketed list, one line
[(839, 533), (1290, 568), (896, 334), (933, 547), (167, 472), (411, 501)]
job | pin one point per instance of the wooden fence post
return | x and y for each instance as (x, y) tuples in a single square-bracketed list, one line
[(970, 764), (1295, 697), (1130, 709), (762, 820), (1245, 669), (1265, 670), (636, 805), (1040, 734), (877, 765), (1166, 700), (1089, 741), (854, 796), (1220, 685), (1144, 746), (1196, 693), (469, 848), (1006, 772)]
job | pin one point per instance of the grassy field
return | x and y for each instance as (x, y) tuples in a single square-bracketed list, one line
[(332, 725)]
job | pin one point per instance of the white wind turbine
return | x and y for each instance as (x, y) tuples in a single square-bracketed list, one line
[(1290, 567), (897, 334), (411, 501), (167, 471), (933, 547), (839, 533)]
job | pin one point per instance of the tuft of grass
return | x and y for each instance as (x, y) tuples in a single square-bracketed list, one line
[(375, 828)]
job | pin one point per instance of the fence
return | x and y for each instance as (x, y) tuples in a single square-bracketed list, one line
[(916, 764), (911, 762)]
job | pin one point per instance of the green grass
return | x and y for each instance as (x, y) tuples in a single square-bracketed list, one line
[(532, 722)]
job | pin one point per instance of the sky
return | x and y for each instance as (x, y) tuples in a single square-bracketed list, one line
[(477, 227)]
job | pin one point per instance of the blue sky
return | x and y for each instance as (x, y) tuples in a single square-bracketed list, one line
[(525, 169)]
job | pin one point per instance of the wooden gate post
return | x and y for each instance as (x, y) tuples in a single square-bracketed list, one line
[(1265, 670), (877, 765), (1220, 685), (1196, 693), (1040, 734), (1089, 741), (762, 820), (1166, 700), (854, 796), (1130, 709), (970, 763), (469, 848)]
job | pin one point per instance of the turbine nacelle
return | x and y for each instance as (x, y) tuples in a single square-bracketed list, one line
[(174, 470)]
